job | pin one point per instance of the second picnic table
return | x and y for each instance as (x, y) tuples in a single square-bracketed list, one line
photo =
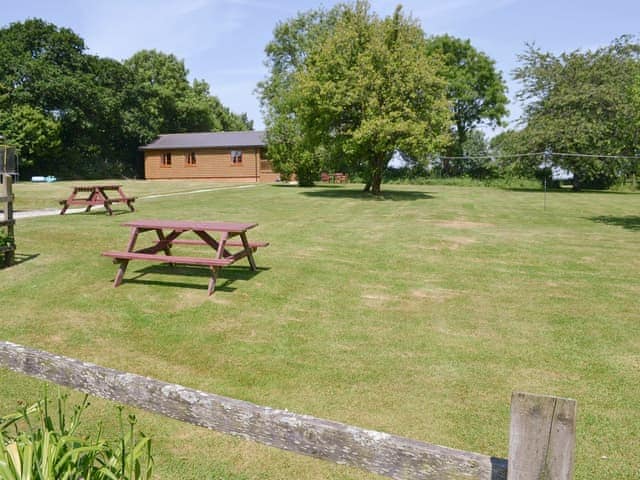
[(167, 233), (96, 195)]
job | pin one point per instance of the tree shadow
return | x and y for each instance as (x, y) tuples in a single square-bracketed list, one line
[(226, 276), (630, 222), (567, 191), (331, 191)]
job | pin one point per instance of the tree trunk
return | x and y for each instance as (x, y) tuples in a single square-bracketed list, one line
[(576, 183), (375, 188), (376, 177)]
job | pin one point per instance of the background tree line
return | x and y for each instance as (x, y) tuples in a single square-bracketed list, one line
[(348, 89), (77, 115), (579, 103)]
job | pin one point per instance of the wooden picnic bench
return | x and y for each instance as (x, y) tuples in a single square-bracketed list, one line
[(96, 196), (334, 177), (168, 231)]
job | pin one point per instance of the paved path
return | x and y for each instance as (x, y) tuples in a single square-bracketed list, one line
[(55, 211)]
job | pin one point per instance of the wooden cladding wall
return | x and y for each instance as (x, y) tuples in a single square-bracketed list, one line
[(215, 164)]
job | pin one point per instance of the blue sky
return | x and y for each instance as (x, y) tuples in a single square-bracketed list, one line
[(222, 41)]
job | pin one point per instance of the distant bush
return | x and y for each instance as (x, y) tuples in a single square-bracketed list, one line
[(464, 181)]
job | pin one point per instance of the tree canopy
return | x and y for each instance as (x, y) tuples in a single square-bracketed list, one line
[(582, 103), (353, 88), (475, 88), (77, 115)]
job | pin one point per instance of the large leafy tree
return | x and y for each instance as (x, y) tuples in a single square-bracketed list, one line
[(42, 76), (35, 134), (73, 114), (286, 54), (475, 88), (360, 88), (161, 100), (579, 103)]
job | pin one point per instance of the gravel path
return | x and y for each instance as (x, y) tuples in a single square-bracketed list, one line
[(55, 211)]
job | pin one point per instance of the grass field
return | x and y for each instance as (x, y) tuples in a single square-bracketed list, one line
[(416, 314)]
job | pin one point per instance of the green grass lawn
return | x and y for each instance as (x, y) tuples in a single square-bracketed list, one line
[(417, 314)]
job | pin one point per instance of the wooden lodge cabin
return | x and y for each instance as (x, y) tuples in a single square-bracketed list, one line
[(218, 156)]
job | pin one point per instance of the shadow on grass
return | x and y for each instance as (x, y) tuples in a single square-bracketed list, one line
[(104, 212), (630, 222), (226, 276), (567, 191), (330, 191), (19, 258)]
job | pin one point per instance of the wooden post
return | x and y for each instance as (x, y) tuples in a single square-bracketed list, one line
[(542, 437), (6, 196)]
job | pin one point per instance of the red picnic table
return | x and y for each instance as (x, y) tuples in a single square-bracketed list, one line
[(167, 233), (96, 195)]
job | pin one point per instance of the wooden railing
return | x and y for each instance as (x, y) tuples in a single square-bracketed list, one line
[(542, 432)]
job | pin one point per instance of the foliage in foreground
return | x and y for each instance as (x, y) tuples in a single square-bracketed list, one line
[(36, 444)]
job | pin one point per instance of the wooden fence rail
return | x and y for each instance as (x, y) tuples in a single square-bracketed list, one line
[(540, 423)]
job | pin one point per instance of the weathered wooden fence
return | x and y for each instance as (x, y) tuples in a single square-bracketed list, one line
[(7, 250), (542, 432)]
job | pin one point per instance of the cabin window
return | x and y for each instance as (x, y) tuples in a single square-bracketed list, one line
[(166, 160), (236, 157), (190, 159)]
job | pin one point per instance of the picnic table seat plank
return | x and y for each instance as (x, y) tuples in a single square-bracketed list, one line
[(123, 259), (173, 259)]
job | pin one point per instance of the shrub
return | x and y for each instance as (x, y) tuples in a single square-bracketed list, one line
[(35, 445), (6, 240)]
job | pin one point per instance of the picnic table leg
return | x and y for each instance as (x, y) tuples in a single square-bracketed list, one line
[(121, 269), (132, 239), (90, 199), (221, 245), (124, 197), (107, 207), (166, 245), (212, 280), (102, 195), (123, 263), (249, 251), (68, 201)]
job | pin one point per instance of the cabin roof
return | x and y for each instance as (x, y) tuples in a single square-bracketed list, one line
[(207, 140)]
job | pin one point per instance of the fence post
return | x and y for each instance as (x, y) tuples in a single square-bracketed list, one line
[(6, 196), (542, 437)]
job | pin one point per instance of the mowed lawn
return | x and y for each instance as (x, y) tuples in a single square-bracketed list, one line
[(416, 314)]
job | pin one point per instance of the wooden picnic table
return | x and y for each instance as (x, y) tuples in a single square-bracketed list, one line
[(336, 177), (96, 195), (168, 233)]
